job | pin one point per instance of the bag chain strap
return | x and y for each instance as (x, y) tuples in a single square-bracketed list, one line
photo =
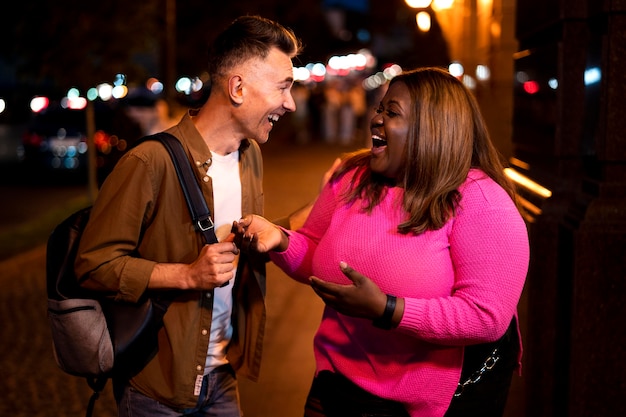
[(488, 364)]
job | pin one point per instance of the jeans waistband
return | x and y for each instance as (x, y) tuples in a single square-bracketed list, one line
[(222, 369)]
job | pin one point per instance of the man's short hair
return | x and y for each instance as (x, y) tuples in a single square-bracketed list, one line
[(248, 37)]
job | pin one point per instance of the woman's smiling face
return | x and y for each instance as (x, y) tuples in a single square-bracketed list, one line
[(390, 128)]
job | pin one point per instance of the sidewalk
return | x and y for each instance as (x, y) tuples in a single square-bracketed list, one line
[(31, 384)]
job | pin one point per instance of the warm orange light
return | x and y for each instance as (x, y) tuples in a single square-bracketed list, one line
[(519, 163), (527, 183), (423, 21), (442, 5), (418, 4)]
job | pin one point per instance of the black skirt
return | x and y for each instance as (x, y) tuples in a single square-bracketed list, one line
[(333, 395)]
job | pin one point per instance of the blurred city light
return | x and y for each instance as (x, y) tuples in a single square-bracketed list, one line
[(196, 85), (38, 104), (344, 64), (119, 79), (527, 183), (380, 78), (363, 35), (483, 73), (74, 102), (318, 71), (521, 77), (423, 21), (119, 91), (438, 5), (92, 94), (73, 93), (183, 85), (188, 85), (553, 83), (592, 76), (362, 61), (456, 69), (519, 163), (3, 105), (105, 91), (391, 71), (154, 85), (531, 87), (301, 74), (418, 4), (496, 30), (469, 81)]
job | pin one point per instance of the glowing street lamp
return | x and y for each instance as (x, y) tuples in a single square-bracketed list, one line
[(418, 4), (423, 21), (442, 4), (436, 4)]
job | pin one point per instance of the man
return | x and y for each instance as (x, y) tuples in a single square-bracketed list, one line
[(140, 239)]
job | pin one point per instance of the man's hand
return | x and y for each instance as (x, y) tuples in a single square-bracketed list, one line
[(214, 267)]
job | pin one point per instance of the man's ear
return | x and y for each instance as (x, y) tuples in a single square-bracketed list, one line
[(235, 89)]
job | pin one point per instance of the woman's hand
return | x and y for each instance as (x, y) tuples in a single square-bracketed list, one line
[(256, 233), (362, 298)]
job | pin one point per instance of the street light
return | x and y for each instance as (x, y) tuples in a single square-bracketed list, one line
[(423, 21), (418, 4), (436, 4), (442, 4)]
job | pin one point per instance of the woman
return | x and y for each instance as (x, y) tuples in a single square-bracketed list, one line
[(420, 254)]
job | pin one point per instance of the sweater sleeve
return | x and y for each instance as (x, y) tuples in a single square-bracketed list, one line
[(296, 260), (490, 253)]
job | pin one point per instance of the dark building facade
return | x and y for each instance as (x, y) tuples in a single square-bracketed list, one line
[(569, 136)]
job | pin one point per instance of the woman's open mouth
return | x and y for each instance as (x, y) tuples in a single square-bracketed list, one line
[(378, 142)]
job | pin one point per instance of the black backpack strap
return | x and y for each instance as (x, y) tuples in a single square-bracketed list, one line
[(97, 385), (200, 213)]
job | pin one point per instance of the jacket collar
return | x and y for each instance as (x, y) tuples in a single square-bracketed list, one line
[(191, 138)]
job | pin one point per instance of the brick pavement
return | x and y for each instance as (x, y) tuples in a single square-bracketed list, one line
[(31, 384)]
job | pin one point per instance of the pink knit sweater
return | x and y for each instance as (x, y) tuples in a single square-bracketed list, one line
[(461, 285)]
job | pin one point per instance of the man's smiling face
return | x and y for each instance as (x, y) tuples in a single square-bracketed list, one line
[(266, 94)]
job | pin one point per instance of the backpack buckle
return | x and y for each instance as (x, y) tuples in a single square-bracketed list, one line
[(205, 224)]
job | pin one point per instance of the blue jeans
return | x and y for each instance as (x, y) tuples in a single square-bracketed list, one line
[(219, 396)]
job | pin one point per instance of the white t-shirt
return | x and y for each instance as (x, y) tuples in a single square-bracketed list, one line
[(224, 172)]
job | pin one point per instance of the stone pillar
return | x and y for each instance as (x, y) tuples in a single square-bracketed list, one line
[(569, 136)]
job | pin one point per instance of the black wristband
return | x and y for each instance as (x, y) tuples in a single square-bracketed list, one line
[(384, 321)]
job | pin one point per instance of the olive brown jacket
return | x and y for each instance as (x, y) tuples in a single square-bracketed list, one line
[(139, 219)]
